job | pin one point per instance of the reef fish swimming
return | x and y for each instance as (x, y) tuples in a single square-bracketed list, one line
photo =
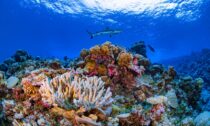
[(106, 31)]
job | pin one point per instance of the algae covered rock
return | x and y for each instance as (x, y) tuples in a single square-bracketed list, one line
[(2, 77), (12, 81), (157, 100), (188, 121), (139, 48), (172, 98)]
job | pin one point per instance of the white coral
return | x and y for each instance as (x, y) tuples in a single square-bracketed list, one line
[(172, 99), (46, 91), (87, 92), (58, 90), (157, 100), (92, 94)]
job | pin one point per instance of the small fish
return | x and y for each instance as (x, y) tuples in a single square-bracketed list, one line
[(151, 48), (106, 31)]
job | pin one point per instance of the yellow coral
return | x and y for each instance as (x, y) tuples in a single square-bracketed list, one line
[(124, 59), (30, 90), (90, 66), (105, 49), (102, 70), (69, 114), (95, 50)]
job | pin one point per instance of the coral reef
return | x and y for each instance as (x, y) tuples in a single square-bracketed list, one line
[(21, 64), (62, 95), (91, 94), (197, 66), (115, 64), (105, 86)]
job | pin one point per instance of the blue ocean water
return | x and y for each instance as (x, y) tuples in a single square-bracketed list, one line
[(57, 28), (114, 88)]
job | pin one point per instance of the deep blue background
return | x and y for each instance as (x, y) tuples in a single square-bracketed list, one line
[(45, 33)]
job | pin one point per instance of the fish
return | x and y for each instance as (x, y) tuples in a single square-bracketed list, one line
[(151, 48), (106, 31)]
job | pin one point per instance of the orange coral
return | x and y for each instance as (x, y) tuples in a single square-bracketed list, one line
[(112, 61), (65, 113), (124, 59), (30, 90), (95, 50), (102, 70), (105, 49), (90, 66)]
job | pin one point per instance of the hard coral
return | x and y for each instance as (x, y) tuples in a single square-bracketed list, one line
[(58, 91), (30, 90), (68, 90), (95, 50), (102, 70), (124, 59), (56, 95), (157, 112), (112, 61), (91, 67), (91, 93), (112, 70)]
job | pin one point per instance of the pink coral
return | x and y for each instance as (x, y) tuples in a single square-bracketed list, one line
[(112, 70), (157, 112), (139, 70), (114, 62)]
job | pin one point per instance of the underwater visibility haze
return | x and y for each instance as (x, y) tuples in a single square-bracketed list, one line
[(105, 62), (173, 28)]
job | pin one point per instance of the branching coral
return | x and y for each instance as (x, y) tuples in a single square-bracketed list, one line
[(59, 90), (88, 92), (83, 97), (92, 94)]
